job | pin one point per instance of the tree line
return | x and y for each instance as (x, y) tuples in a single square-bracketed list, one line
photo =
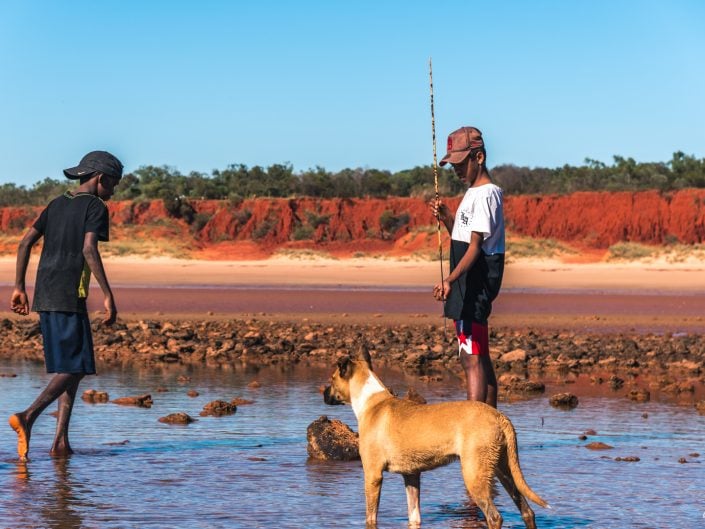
[(237, 182)]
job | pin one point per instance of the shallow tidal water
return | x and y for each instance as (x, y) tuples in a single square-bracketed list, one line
[(251, 470)]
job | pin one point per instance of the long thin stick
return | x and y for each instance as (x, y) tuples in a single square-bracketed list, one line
[(435, 171)]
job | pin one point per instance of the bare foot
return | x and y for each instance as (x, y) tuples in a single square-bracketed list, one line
[(61, 450), (18, 424)]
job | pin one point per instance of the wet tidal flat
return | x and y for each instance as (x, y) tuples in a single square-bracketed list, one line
[(251, 469)]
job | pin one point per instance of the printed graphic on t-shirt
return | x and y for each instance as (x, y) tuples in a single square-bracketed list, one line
[(481, 211)]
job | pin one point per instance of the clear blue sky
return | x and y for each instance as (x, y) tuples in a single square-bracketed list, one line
[(202, 84)]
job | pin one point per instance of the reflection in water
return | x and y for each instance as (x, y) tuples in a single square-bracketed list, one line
[(45, 500), (56, 509), (251, 470)]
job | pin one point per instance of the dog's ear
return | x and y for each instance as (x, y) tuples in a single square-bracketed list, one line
[(363, 353), (345, 366)]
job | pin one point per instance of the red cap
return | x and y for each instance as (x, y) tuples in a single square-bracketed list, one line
[(460, 143)]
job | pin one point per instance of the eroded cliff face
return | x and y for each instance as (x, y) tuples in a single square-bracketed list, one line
[(399, 225)]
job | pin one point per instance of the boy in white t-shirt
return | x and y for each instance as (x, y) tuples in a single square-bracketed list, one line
[(476, 260)]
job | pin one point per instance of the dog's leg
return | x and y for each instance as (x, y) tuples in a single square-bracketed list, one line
[(478, 473), (373, 487), (412, 482), (505, 476)]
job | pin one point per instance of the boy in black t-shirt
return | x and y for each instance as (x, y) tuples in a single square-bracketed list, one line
[(71, 225)]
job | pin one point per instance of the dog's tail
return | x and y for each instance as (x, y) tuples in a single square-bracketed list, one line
[(513, 459)]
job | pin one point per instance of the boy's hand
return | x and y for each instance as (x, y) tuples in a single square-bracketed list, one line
[(19, 302), (439, 209), (442, 290), (110, 310)]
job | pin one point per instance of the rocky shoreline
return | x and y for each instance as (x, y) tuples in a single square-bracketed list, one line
[(638, 366)]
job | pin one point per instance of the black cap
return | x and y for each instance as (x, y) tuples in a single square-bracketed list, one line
[(100, 161)]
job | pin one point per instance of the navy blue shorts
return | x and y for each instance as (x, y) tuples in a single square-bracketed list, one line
[(68, 344)]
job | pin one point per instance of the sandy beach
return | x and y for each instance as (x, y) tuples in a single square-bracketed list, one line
[(648, 296), (656, 276)]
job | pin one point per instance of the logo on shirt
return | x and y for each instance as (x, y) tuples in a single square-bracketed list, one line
[(464, 218)]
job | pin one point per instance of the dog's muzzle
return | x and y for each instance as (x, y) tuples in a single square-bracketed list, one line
[(330, 399)]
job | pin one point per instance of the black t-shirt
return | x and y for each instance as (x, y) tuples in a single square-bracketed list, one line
[(63, 275)]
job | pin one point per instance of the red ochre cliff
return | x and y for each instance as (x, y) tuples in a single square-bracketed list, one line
[(256, 228)]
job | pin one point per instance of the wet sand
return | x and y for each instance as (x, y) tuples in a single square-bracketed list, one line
[(598, 297)]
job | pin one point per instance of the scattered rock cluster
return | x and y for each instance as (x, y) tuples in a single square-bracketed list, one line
[(523, 359)]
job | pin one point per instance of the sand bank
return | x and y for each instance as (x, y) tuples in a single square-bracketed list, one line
[(654, 276)]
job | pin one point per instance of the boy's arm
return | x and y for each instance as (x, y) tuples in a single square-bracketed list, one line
[(442, 290), (95, 263), (19, 302)]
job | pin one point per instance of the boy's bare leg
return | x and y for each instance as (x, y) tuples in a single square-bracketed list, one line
[(61, 446), (480, 378), (491, 378), (22, 422), (474, 377)]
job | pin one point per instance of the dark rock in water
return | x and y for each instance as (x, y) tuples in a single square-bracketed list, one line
[(218, 408), (141, 401), (239, 401), (564, 400), (331, 440), (254, 384), (682, 460), (582, 437), (177, 418), (414, 396), (598, 445), (628, 458), (93, 396), (590, 431), (616, 382), (8, 375), (162, 389), (526, 386), (193, 393), (639, 395)]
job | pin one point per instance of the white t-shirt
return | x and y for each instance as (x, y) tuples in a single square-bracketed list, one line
[(481, 210)]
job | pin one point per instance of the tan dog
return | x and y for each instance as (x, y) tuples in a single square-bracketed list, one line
[(401, 436)]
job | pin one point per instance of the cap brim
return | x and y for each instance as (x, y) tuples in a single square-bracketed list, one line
[(454, 157), (74, 173)]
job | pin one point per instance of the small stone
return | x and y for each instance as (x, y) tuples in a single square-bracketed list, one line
[(564, 400), (517, 355), (177, 418), (682, 460), (93, 396), (627, 458), (218, 408), (331, 440), (239, 401), (193, 393), (616, 382), (254, 384), (141, 401), (598, 445), (639, 395)]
